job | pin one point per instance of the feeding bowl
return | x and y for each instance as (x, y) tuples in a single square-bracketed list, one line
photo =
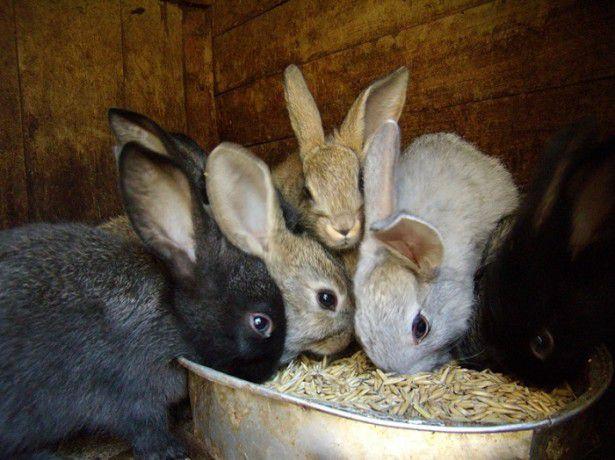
[(237, 419)]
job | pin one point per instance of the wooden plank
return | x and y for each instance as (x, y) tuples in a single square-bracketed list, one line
[(275, 152), (198, 77), (513, 128), (492, 50), (516, 128), (70, 65), (302, 30), (231, 13), (13, 185), (153, 61)]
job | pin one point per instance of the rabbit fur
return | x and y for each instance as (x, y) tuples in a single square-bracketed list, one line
[(323, 179), (429, 212), (245, 204), (91, 322)]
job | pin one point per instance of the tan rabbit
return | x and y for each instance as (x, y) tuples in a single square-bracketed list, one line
[(316, 290), (322, 181)]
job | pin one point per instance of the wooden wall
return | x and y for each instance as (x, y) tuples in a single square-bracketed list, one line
[(504, 74), (63, 64)]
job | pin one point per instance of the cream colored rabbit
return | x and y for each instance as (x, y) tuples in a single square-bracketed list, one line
[(316, 290), (323, 179)]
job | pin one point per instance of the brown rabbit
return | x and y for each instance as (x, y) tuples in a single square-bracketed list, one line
[(322, 181)]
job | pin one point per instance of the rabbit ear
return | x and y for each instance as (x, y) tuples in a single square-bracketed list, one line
[(593, 203), (160, 204), (130, 126), (561, 154), (243, 199), (302, 110), (379, 173), (417, 243), (383, 100)]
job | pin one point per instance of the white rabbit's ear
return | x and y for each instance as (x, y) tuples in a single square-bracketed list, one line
[(130, 126), (414, 241), (243, 199), (379, 173), (302, 110), (383, 100)]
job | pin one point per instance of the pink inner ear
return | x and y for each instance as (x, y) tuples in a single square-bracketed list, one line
[(394, 239), (415, 241)]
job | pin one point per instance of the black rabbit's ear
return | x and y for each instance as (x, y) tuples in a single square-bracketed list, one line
[(562, 152), (591, 190), (130, 126), (160, 202)]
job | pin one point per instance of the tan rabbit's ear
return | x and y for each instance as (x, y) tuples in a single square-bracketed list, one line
[(415, 242), (302, 110), (243, 199), (379, 173), (383, 100)]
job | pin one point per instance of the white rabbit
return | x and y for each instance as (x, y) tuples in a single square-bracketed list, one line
[(428, 215)]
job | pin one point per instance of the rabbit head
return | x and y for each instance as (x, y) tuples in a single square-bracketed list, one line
[(403, 319), (228, 305), (331, 165), (547, 293), (244, 202)]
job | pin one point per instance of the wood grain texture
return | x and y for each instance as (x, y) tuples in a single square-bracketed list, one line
[(230, 13), (13, 185), (302, 30), (198, 77), (153, 63), (70, 65), (513, 128), (490, 51)]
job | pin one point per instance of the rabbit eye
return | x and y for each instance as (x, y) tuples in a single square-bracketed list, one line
[(542, 345), (420, 328), (327, 299), (261, 324)]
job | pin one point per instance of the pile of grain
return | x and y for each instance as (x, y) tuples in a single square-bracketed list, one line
[(451, 393)]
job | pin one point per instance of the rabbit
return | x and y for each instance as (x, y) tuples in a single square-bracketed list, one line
[(428, 215), (315, 289), (323, 179), (546, 289), (313, 282), (91, 322)]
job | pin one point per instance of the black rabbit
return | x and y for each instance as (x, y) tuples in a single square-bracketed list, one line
[(91, 322), (546, 290)]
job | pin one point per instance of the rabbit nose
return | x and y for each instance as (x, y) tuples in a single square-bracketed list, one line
[(342, 231)]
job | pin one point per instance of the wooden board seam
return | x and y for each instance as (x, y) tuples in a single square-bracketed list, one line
[(466, 103), (26, 153), (322, 55), (249, 19)]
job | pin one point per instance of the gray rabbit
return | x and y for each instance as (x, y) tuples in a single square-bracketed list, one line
[(428, 214), (91, 322)]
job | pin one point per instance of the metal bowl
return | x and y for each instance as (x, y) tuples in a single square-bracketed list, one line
[(238, 419)]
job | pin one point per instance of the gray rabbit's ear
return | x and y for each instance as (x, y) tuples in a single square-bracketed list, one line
[(130, 126), (415, 242), (379, 173), (159, 201), (243, 199), (303, 112), (383, 100)]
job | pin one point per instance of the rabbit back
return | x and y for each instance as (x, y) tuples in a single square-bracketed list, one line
[(462, 192), (85, 338)]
